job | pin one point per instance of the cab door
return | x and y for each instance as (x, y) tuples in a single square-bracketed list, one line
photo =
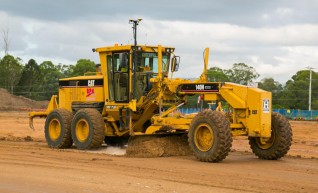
[(121, 77)]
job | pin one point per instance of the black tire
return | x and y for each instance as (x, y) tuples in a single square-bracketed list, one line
[(88, 129), (57, 129), (216, 125), (279, 143), (117, 141)]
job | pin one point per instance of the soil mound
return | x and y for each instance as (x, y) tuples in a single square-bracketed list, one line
[(9, 102), (158, 146), (14, 138)]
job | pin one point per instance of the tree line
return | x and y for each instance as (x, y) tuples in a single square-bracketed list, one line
[(294, 94), (40, 81)]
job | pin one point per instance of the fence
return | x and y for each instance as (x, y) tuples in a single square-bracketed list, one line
[(298, 114), (289, 113)]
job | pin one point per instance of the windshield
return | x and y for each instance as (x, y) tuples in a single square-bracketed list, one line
[(151, 60)]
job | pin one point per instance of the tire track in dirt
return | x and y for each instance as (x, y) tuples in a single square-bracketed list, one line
[(241, 172)]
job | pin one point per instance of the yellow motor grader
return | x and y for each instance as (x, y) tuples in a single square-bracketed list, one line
[(133, 93)]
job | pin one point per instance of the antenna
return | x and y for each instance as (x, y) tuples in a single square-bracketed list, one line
[(135, 24)]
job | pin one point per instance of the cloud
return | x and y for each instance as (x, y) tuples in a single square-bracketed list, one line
[(243, 12), (277, 38)]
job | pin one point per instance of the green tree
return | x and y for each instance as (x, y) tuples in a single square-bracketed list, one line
[(66, 70), (269, 84), (30, 80), (296, 91), (216, 74), (10, 72), (242, 73), (81, 67), (49, 79)]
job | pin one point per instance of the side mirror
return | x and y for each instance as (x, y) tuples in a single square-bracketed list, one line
[(175, 63)]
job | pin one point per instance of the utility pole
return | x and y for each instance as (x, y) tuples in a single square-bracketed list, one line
[(310, 77)]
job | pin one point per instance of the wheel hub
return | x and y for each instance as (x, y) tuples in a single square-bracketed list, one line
[(204, 137), (54, 129), (82, 130), (266, 143)]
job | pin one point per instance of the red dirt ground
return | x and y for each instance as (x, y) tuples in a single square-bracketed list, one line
[(27, 164)]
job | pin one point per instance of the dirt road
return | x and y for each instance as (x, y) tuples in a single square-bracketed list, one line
[(33, 167)]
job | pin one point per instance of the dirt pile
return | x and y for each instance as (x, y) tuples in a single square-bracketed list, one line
[(9, 102), (158, 146), (14, 138)]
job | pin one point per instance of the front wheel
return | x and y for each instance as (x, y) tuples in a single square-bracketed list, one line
[(278, 144), (210, 136), (57, 129), (88, 129)]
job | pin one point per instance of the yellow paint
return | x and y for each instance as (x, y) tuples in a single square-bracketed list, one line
[(250, 107), (203, 77), (82, 130), (152, 129), (203, 137), (258, 119), (54, 129)]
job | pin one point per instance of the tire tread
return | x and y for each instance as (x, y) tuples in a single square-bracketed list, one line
[(224, 136), (98, 135), (65, 118), (283, 140)]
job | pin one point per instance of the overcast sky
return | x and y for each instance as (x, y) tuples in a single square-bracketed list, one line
[(278, 38)]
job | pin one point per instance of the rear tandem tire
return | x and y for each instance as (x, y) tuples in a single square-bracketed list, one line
[(88, 129), (210, 136), (57, 129), (279, 143)]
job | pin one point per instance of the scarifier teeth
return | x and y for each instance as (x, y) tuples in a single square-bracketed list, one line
[(31, 123)]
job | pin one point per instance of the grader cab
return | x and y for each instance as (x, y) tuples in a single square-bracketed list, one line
[(133, 93)]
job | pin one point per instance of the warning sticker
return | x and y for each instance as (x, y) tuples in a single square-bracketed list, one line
[(266, 105)]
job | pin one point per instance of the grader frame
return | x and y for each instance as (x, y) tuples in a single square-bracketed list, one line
[(132, 93)]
